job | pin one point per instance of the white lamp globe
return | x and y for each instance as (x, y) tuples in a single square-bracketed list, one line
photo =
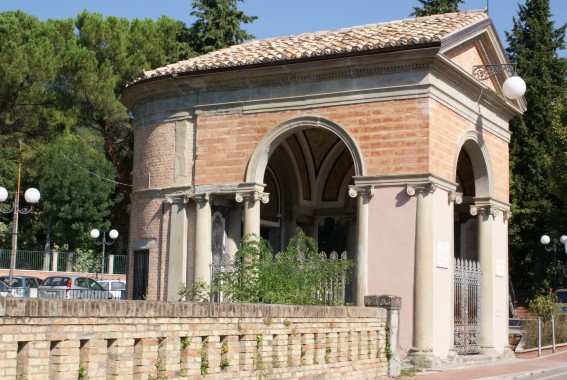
[(113, 234), (514, 87), (545, 240), (32, 195), (3, 194), (563, 239), (95, 233)]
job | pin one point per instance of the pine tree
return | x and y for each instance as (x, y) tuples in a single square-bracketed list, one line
[(434, 7), (535, 147), (218, 25)]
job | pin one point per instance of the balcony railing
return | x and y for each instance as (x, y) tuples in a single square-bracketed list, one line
[(62, 262)]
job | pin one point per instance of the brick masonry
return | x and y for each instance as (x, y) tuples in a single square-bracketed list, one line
[(66, 339)]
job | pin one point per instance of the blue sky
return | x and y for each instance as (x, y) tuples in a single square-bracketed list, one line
[(279, 17)]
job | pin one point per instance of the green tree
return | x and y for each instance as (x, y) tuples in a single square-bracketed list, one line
[(77, 186), (435, 7), (536, 146), (117, 53), (218, 25)]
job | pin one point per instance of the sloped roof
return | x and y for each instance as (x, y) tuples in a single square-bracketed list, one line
[(366, 38)]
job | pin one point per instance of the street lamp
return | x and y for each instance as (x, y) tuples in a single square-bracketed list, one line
[(513, 87), (113, 234), (545, 240), (32, 197)]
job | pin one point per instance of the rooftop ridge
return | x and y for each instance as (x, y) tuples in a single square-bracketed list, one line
[(359, 38)]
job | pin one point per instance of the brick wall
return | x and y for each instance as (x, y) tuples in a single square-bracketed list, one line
[(66, 339)]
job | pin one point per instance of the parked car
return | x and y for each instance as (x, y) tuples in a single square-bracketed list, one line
[(22, 286), (5, 291), (561, 295), (72, 287), (116, 287)]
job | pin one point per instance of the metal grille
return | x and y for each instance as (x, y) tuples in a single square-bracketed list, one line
[(467, 307)]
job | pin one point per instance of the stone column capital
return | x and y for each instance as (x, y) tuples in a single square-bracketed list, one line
[(252, 195), (355, 191), (455, 197), (484, 210), (200, 198), (425, 188)]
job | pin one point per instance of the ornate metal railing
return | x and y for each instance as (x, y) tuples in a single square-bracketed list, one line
[(467, 307)]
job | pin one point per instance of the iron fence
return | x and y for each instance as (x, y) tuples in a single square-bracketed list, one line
[(62, 262)]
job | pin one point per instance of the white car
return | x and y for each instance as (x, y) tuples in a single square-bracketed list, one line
[(115, 287)]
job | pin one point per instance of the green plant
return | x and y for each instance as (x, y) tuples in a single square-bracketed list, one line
[(199, 291), (286, 322), (159, 367), (388, 348), (224, 362), (82, 372), (292, 276), (184, 343), (328, 355), (204, 358), (544, 305), (267, 321)]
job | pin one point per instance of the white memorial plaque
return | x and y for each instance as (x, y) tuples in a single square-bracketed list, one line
[(500, 268), (443, 254)]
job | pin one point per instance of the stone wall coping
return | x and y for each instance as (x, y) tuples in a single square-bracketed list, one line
[(40, 307)]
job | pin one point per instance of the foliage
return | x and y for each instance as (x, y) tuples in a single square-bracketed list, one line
[(537, 159), (199, 291), (218, 25), (434, 7), (299, 275), (76, 185), (544, 305), (86, 261)]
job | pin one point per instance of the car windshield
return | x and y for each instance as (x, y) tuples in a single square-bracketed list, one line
[(118, 286), (562, 296), (56, 281), (16, 282)]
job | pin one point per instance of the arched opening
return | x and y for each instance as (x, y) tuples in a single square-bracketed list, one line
[(473, 182), (307, 176)]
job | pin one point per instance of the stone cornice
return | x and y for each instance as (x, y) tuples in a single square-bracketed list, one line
[(404, 180), (489, 206)]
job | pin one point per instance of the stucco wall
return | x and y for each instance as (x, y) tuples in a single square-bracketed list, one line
[(391, 242)]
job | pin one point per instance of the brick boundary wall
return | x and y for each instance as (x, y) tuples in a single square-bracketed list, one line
[(80, 339)]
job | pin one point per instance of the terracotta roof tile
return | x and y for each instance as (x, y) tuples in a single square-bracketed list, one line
[(358, 38)]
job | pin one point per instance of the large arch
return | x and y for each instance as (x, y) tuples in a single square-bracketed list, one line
[(265, 148), (473, 285)]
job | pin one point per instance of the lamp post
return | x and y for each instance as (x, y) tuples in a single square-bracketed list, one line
[(31, 196), (545, 240), (113, 234)]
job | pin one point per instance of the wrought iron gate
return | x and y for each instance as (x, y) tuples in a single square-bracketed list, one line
[(467, 307)]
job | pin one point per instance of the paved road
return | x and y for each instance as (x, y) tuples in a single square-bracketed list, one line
[(551, 367)]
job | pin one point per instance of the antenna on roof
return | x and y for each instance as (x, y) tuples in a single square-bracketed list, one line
[(486, 6)]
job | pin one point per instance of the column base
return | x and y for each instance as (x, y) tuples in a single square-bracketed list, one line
[(423, 358), (489, 351)]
